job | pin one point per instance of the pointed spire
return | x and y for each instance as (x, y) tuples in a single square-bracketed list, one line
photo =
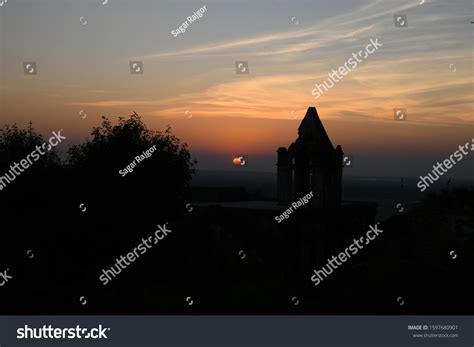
[(312, 130)]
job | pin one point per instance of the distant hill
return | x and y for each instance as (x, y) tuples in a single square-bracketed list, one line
[(387, 192)]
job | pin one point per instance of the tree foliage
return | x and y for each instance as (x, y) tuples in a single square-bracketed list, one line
[(160, 179), (16, 144)]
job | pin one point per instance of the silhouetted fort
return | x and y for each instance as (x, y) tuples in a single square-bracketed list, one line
[(310, 163), (313, 232)]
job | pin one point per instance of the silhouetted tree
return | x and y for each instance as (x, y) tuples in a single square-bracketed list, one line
[(159, 181), (16, 144), (24, 199)]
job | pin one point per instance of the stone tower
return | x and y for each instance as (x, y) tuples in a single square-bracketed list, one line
[(310, 163)]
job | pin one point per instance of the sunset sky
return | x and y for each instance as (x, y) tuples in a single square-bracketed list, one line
[(290, 45)]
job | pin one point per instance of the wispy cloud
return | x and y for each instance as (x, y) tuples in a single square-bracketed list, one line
[(328, 31)]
